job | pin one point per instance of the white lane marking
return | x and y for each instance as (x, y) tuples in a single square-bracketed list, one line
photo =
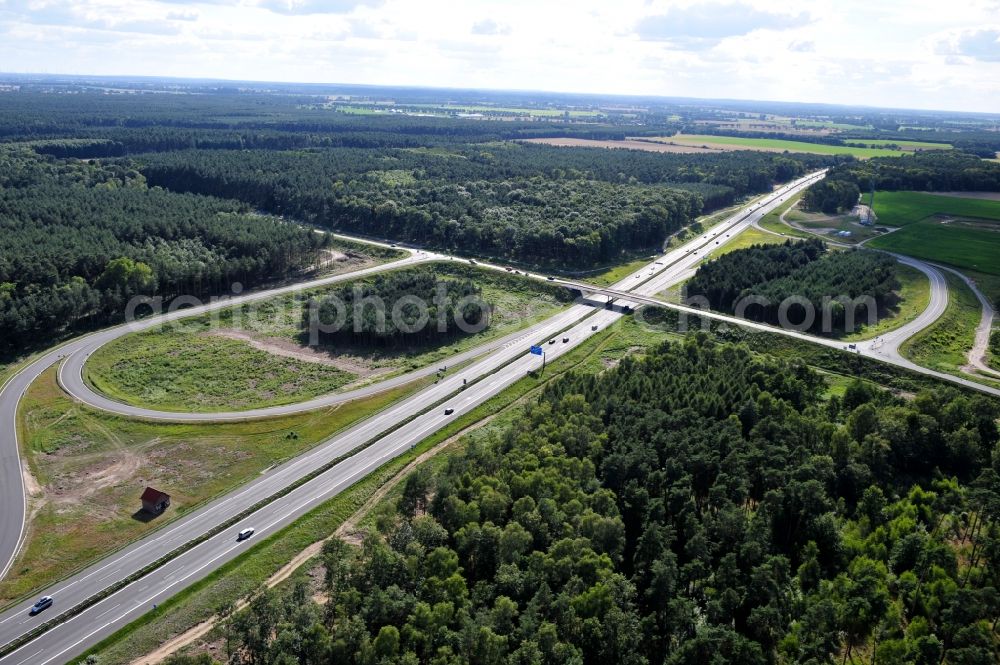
[(108, 610), (13, 616), (31, 656), (111, 574)]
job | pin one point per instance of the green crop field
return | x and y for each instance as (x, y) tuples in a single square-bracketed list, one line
[(959, 231), (902, 208), (776, 144), (905, 145), (828, 124)]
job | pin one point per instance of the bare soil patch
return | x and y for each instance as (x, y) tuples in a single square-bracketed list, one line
[(627, 144), (289, 349)]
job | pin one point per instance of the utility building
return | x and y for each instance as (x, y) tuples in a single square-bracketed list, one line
[(154, 501)]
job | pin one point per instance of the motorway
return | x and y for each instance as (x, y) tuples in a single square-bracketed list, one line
[(12, 497), (389, 433)]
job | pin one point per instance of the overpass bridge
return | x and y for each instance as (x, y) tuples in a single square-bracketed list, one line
[(874, 349), (614, 295)]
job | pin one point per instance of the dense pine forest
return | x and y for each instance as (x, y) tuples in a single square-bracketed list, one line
[(398, 309), (803, 269), (78, 239), (103, 197), (701, 505), (531, 203)]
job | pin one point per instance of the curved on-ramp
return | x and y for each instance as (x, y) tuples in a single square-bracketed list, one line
[(13, 500)]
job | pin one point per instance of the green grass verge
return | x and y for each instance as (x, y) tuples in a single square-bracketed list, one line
[(772, 220), (747, 238), (179, 371), (617, 273), (914, 296), (92, 466), (944, 344)]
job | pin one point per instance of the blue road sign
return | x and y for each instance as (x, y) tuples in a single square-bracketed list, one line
[(537, 350)]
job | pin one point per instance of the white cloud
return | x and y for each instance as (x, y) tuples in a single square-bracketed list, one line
[(305, 7), (706, 24), (489, 27), (976, 43), (890, 53)]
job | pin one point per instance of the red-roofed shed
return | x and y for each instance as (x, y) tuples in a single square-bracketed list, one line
[(154, 501)]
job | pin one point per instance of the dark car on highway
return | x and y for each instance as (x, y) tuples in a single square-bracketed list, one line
[(44, 603)]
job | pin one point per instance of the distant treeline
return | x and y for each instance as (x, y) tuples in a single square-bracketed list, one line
[(530, 203), (78, 240), (89, 125), (803, 269), (932, 171)]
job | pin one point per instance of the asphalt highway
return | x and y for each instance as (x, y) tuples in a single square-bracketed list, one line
[(386, 434), (12, 497)]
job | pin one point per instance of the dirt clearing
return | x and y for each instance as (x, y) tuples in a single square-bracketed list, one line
[(289, 349)]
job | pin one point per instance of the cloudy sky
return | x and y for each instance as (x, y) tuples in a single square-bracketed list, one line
[(912, 53)]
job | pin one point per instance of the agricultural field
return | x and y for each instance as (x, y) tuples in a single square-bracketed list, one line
[(902, 208), (988, 284), (908, 146), (829, 124), (962, 232), (89, 467), (773, 145), (627, 144), (257, 355)]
